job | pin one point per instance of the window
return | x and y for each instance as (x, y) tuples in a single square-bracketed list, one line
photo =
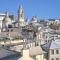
[(9, 26), (52, 59), (46, 37), (52, 51), (45, 40), (57, 51), (57, 58), (11, 30)]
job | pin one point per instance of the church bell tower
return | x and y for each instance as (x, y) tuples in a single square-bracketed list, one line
[(21, 21)]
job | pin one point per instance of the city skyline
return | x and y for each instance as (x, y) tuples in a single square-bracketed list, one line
[(40, 8)]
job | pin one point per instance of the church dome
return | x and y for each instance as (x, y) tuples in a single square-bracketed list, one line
[(34, 19), (7, 18), (7, 21)]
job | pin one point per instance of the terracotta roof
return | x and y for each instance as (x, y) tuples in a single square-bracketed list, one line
[(6, 34), (36, 51)]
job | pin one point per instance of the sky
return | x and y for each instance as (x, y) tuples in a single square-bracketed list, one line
[(43, 9)]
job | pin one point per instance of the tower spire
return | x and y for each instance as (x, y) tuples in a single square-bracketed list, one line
[(20, 16), (20, 12)]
